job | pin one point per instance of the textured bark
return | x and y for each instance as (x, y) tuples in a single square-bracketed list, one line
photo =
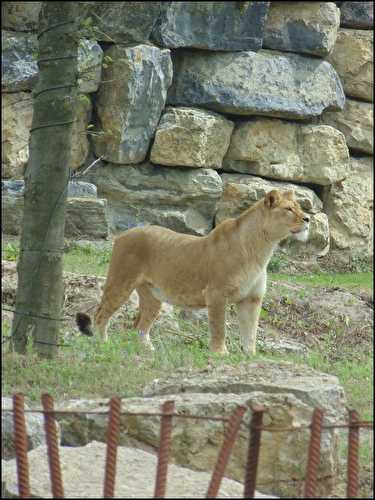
[(40, 285)]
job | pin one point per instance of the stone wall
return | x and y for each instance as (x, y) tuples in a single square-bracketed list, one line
[(197, 109)]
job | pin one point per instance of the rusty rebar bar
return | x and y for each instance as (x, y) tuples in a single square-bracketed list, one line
[(223, 457), (52, 447), (353, 446), (314, 454), (253, 453), (113, 429), (164, 449), (20, 442)]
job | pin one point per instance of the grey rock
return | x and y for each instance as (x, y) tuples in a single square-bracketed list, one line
[(87, 216), (262, 83), (19, 62), (357, 15), (20, 16), (211, 25), (180, 199), (78, 465), (119, 22), (90, 56), (305, 27), (130, 101), (19, 68)]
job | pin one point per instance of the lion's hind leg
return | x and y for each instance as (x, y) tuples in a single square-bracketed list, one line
[(149, 308)]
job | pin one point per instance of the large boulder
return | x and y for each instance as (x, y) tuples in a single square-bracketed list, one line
[(19, 62), (357, 15), (83, 469), (16, 118), (288, 392), (256, 83), (181, 199), (352, 57), (86, 216), (191, 137), (284, 150), (211, 25), (306, 27), (242, 191), (119, 22), (349, 205), (356, 122), (130, 101), (20, 16)]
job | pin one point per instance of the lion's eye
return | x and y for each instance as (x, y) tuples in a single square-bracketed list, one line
[(290, 210)]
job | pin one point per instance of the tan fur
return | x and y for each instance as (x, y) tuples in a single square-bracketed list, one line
[(226, 266)]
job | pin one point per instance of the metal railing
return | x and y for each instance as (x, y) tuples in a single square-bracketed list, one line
[(167, 415)]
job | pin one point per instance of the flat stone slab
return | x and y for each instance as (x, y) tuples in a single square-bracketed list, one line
[(83, 475)]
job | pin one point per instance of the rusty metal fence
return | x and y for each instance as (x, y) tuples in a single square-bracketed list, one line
[(167, 415)]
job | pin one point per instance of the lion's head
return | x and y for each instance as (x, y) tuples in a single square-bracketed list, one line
[(284, 216)]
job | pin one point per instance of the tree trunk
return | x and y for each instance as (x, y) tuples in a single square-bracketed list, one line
[(40, 285)]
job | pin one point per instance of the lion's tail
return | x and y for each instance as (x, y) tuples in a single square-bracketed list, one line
[(84, 323)]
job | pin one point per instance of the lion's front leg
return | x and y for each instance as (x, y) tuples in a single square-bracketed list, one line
[(216, 320), (248, 317)]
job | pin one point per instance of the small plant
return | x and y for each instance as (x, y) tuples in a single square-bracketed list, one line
[(277, 262), (359, 263), (11, 252)]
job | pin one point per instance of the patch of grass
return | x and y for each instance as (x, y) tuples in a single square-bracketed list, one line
[(350, 281), (87, 260), (11, 251)]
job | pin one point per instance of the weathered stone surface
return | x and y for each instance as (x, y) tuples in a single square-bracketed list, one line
[(357, 14), (242, 191), (86, 217), (288, 151), (191, 137), (181, 199), (83, 473), (20, 16), (352, 57), (119, 22), (130, 101), (306, 27), (287, 391), (211, 25), (90, 56), (19, 62), (349, 204), (16, 118), (262, 83), (34, 429), (356, 122)]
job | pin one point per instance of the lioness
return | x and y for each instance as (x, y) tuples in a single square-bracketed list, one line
[(226, 266)]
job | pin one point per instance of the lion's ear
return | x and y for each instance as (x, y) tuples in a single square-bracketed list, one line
[(272, 198), (289, 195)]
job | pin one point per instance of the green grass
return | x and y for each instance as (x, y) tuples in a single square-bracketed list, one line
[(87, 260), (350, 281)]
